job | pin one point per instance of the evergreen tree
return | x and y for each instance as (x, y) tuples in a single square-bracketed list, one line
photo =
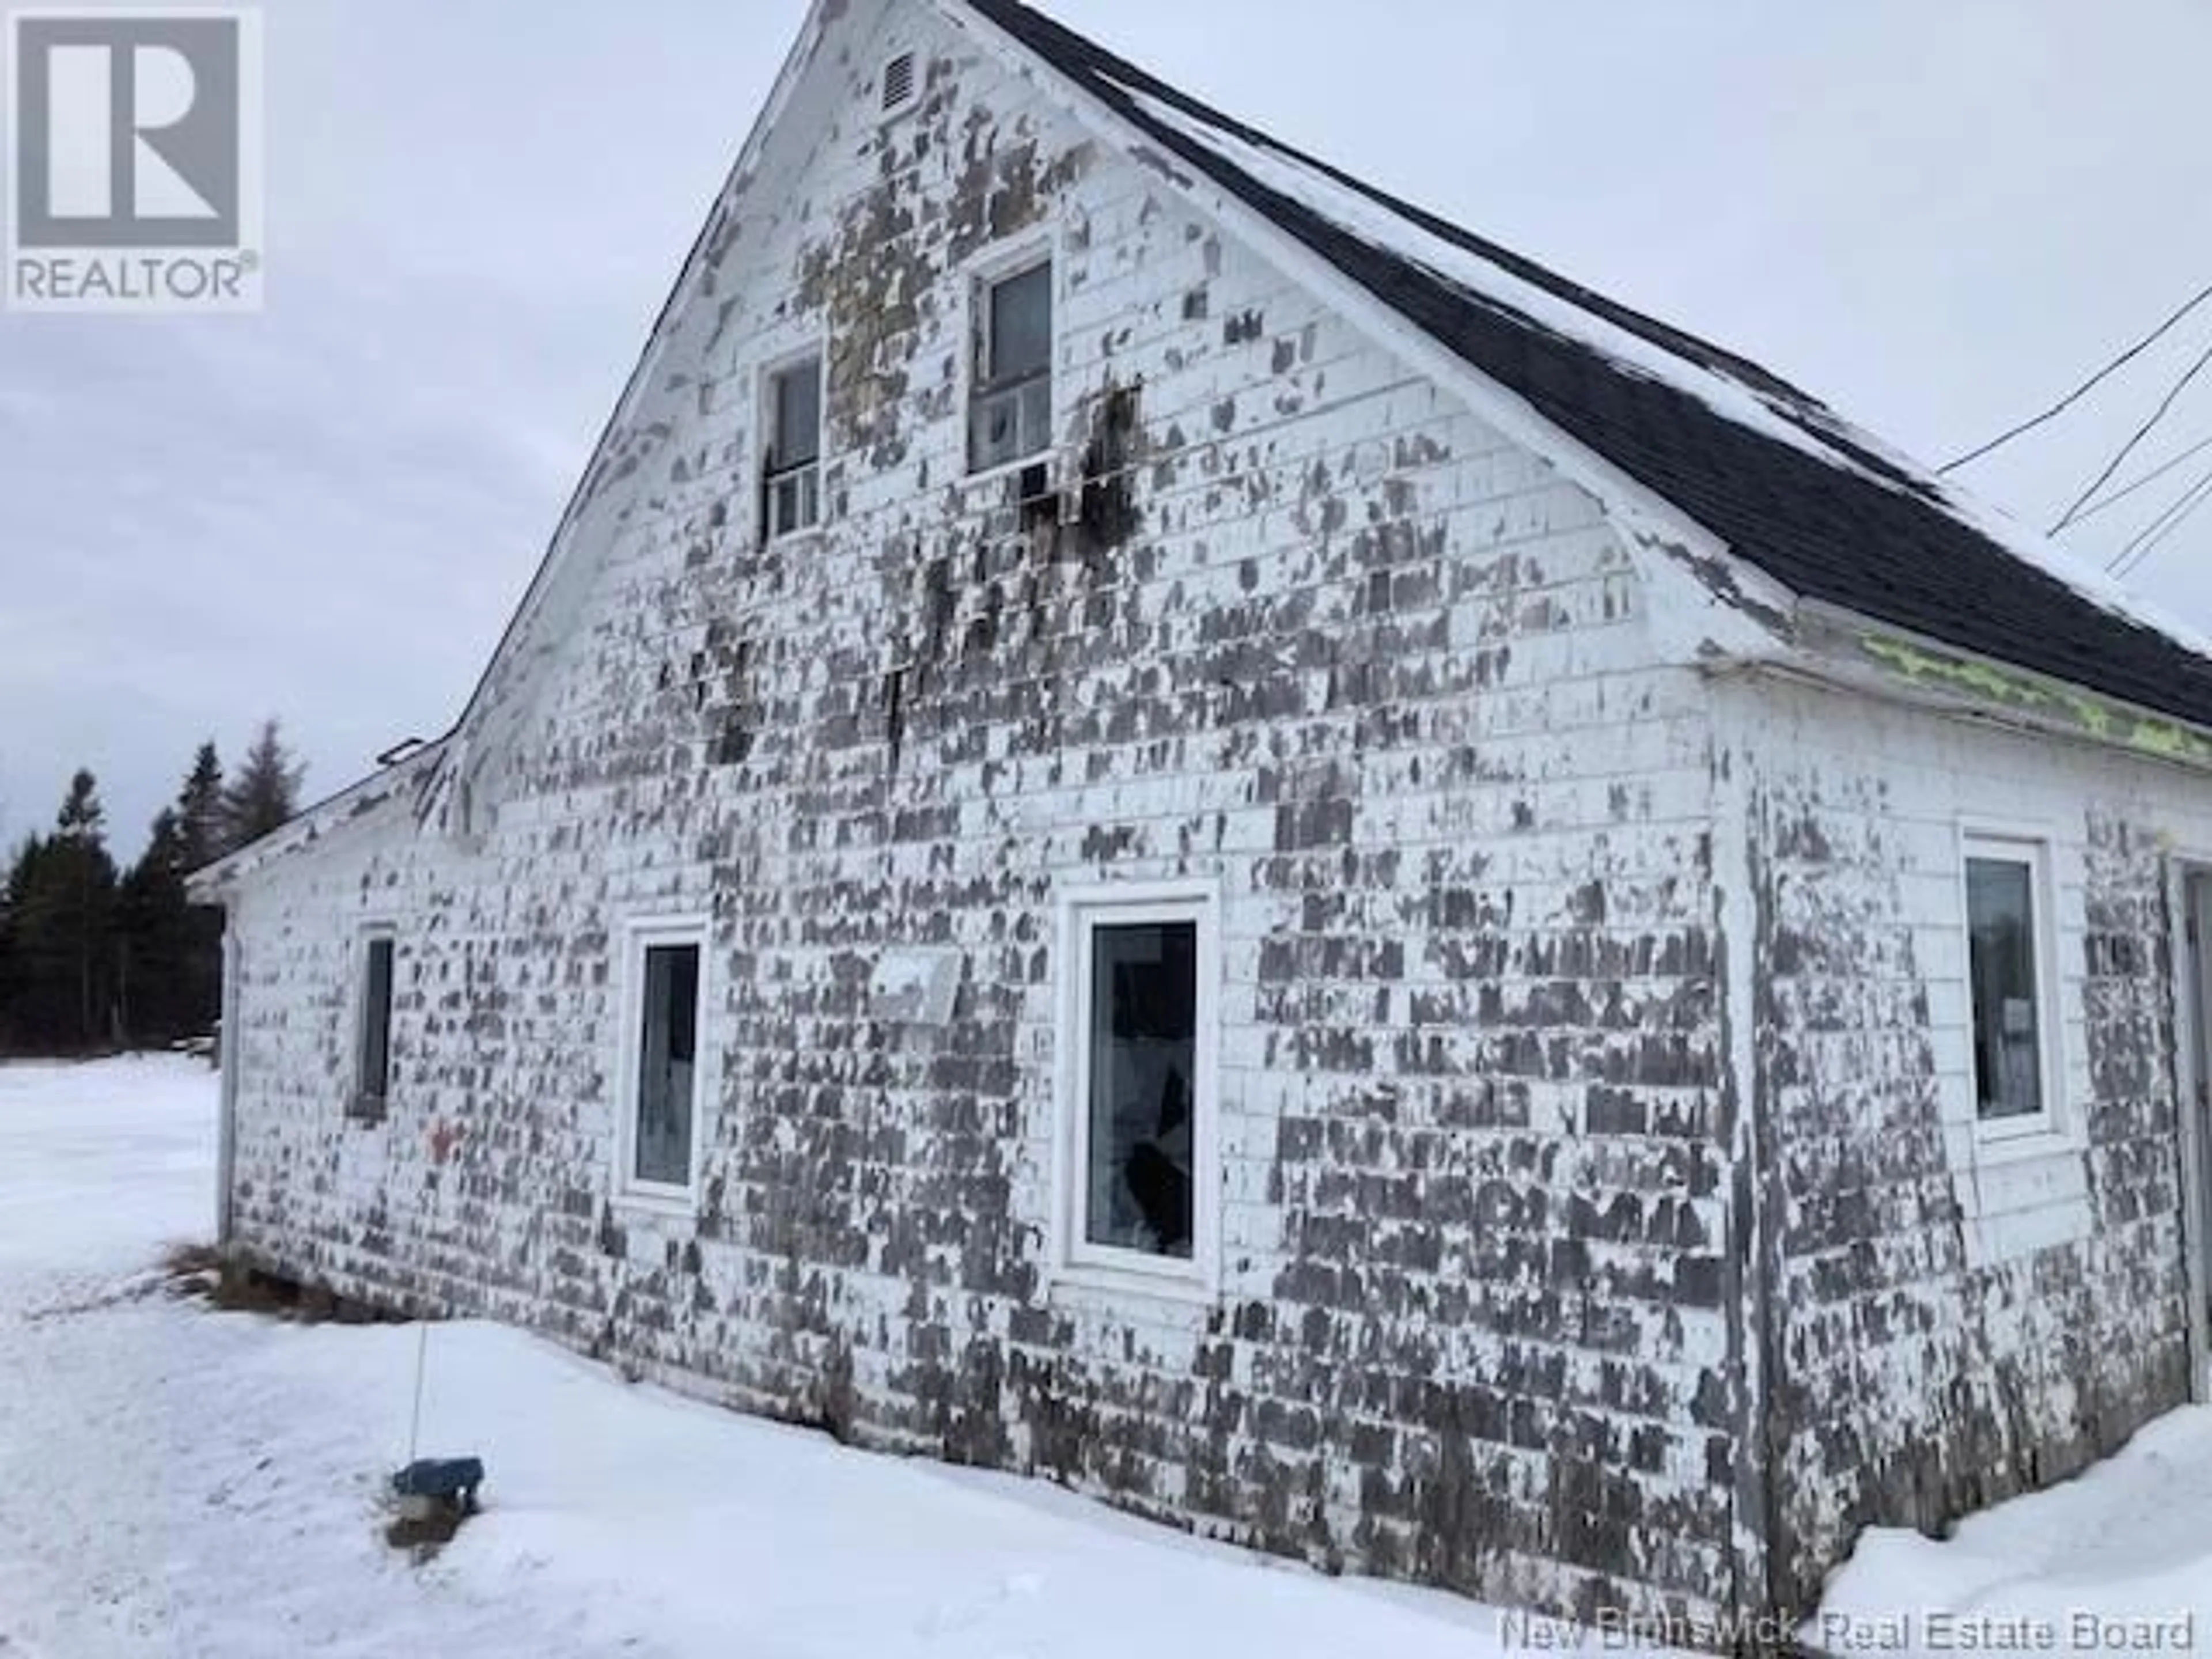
[(82, 819), (199, 990), (156, 988), (13, 980), (263, 793), (200, 810), (62, 932), (197, 999)]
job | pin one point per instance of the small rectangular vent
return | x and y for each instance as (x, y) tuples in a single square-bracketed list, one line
[(898, 83)]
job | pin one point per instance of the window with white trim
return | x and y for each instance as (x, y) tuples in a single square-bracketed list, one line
[(372, 1055), (1009, 411), (791, 471), (659, 1103), (1139, 1121), (2010, 982)]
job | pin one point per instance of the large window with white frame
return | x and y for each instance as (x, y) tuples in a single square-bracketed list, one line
[(791, 467), (2012, 984), (1010, 410), (1139, 1116), (660, 1082)]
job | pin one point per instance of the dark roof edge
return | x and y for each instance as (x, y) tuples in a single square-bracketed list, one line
[(206, 884), (2118, 649), (1667, 336)]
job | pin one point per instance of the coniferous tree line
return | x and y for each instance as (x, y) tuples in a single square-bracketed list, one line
[(95, 957)]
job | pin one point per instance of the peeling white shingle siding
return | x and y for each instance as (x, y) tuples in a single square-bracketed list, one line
[(1955, 1321), (1603, 1222), (1303, 625)]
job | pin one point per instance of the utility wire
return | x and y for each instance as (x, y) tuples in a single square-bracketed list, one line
[(2087, 386), (2155, 535), (2150, 548), (2150, 477), (2140, 433), (2148, 540), (2122, 560)]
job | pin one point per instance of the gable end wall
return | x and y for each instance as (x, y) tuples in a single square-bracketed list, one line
[(1294, 621)]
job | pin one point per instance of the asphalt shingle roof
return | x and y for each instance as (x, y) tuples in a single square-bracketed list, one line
[(1864, 530)]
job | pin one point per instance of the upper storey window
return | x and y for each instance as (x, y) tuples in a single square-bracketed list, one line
[(790, 484), (1010, 414)]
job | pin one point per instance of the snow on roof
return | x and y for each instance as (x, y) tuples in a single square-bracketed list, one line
[(2032, 546), (1779, 414), (1489, 282)]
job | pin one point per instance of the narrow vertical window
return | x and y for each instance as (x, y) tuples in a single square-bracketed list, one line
[(1010, 416), (667, 1064), (372, 1042), (2008, 979), (792, 471), (1140, 1121)]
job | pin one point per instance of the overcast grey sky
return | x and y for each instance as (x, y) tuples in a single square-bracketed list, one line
[(1937, 213)]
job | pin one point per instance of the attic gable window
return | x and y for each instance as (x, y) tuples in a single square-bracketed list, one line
[(1010, 414), (791, 482)]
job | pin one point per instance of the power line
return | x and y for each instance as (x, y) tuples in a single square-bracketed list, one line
[(2140, 433), (2087, 386), (2150, 478), (2148, 540), (2153, 536), (2152, 546), (2124, 560)]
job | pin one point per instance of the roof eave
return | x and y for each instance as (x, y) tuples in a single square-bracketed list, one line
[(215, 883), (1846, 651)]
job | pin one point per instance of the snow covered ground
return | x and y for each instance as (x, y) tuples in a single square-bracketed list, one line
[(174, 1481), (2118, 1561), (179, 1482)]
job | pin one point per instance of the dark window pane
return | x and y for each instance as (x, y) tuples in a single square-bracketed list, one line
[(1143, 1027), (1021, 326), (798, 437), (373, 1067), (668, 1047), (2008, 1024)]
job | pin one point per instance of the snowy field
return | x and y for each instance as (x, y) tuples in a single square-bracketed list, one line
[(175, 1482)]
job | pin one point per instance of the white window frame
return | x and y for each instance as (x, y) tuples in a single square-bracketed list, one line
[(1075, 1259), (639, 934), (772, 371), (986, 271), (2010, 844), (360, 1106)]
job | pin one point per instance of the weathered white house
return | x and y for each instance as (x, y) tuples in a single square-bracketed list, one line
[(1159, 821)]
